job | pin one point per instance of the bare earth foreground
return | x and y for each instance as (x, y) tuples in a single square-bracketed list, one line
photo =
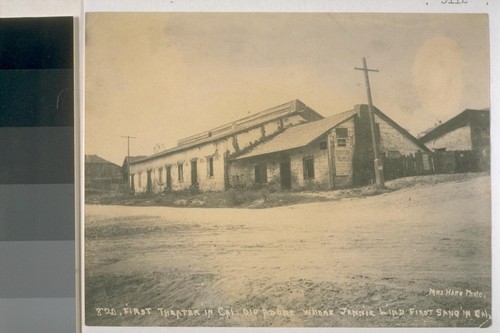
[(414, 257)]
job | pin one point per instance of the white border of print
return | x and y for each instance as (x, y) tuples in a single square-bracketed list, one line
[(384, 6), (25, 8)]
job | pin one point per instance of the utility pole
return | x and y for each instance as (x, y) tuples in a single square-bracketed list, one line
[(128, 155), (128, 143), (379, 168)]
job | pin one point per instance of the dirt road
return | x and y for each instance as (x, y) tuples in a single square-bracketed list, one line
[(414, 257)]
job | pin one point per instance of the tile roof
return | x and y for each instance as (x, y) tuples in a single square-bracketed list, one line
[(299, 136)]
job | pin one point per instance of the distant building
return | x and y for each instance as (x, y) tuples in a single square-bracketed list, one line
[(290, 146), (468, 134), (126, 166), (101, 174)]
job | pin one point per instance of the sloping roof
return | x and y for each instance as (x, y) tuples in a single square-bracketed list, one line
[(299, 136), (398, 127), (302, 135), (132, 159), (292, 107), (94, 159), (462, 119)]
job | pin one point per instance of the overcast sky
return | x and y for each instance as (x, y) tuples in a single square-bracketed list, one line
[(161, 77)]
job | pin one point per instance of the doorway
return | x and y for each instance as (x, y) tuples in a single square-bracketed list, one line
[(149, 187), (194, 173), (285, 175), (169, 177)]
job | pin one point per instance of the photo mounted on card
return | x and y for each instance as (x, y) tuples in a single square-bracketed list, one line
[(287, 170)]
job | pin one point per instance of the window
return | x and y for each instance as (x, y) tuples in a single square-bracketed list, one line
[(308, 164), (180, 172), (341, 142), (323, 145), (261, 174), (341, 132), (393, 154), (210, 166)]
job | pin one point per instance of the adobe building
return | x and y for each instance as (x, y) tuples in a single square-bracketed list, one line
[(334, 152), (468, 135), (290, 146), (202, 160)]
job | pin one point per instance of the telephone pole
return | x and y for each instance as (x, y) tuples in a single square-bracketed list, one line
[(128, 143), (379, 168), (128, 156)]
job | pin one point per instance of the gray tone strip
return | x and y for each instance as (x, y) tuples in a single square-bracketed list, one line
[(37, 212), (36, 97), (36, 155), (37, 269), (37, 315)]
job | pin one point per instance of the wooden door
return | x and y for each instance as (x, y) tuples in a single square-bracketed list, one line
[(285, 175)]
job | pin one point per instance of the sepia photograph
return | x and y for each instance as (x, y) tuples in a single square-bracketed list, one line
[(287, 170)]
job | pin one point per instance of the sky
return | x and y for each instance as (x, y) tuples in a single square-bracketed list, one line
[(160, 77)]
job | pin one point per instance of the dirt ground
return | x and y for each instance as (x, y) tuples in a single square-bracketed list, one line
[(261, 197), (414, 257)]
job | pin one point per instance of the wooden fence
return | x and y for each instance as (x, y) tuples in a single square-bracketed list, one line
[(422, 163), (409, 165)]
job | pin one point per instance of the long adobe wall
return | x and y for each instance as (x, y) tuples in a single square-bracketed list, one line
[(217, 151)]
